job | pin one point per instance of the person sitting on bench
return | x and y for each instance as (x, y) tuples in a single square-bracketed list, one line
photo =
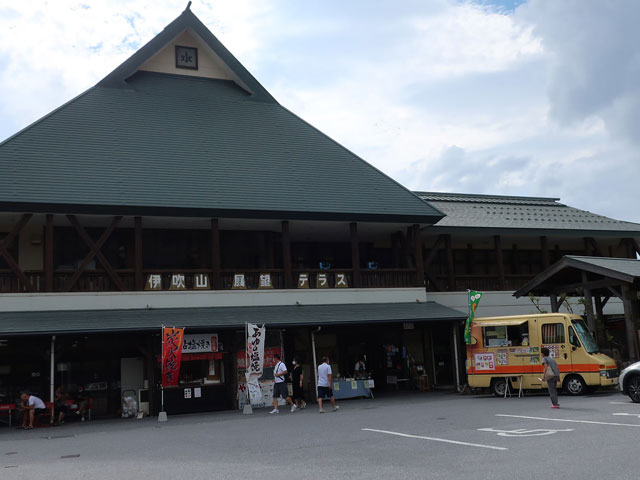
[(31, 406)]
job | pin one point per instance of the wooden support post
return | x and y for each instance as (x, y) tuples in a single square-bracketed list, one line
[(450, 266), (216, 264), (499, 261), (588, 304), (4, 252), (138, 253), (286, 255), (417, 238), (629, 321), (544, 248), (355, 255), (48, 253), (554, 303)]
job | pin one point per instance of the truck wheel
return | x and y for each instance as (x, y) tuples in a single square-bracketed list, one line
[(498, 386), (633, 389), (574, 385)]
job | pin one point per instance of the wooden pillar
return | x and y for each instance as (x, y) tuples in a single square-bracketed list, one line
[(286, 254), (554, 303), (419, 261), (544, 248), (48, 253), (629, 321), (588, 304), (499, 261), (216, 274), (355, 255), (450, 267), (138, 254)]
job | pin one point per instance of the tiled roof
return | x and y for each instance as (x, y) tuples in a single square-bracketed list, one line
[(504, 212), (142, 142)]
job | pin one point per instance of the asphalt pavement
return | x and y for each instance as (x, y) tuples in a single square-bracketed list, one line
[(410, 436)]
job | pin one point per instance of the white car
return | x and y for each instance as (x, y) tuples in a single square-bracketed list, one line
[(630, 382)]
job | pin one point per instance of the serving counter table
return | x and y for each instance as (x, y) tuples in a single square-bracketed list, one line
[(352, 389)]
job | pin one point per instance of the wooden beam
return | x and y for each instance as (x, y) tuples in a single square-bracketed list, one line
[(4, 251), (286, 255), (629, 321), (419, 258), (591, 285), (433, 281), (450, 266), (48, 253), (216, 255), (635, 245), (355, 255), (94, 251), (497, 241), (139, 267), (588, 303), (433, 252), (554, 303), (544, 248), (595, 249)]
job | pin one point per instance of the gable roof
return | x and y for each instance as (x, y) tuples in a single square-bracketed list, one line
[(520, 215), (568, 272), (162, 144)]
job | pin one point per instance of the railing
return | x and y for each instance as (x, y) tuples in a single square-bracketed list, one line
[(482, 282), (388, 278)]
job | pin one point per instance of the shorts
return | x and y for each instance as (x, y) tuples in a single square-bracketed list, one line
[(280, 389), (325, 392), (60, 408)]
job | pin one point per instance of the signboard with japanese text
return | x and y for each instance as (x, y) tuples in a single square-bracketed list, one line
[(255, 349), (484, 361), (171, 355), (200, 342)]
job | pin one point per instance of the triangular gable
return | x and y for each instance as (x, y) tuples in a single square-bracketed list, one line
[(187, 30)]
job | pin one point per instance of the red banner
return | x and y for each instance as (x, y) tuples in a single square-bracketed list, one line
[(171, 355)]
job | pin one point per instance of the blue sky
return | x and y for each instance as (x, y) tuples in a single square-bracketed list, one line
[(534, 97)]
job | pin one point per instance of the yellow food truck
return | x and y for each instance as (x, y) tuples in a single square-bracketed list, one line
[(507, 349)]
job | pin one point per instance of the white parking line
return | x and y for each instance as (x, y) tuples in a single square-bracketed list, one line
[(622, 403), (443, 440), (570, 421)]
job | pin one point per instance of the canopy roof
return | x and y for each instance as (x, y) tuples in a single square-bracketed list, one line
[(144, 141), (566, 276), (97, 321)]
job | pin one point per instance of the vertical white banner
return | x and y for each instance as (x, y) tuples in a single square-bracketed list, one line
[(255, 354)]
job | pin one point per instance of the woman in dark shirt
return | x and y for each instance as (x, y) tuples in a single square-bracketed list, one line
[(297, 378)]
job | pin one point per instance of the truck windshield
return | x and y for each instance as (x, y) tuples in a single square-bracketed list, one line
[(585, 335)]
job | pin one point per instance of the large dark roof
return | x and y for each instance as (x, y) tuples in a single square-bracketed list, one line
[(93, 321), (526, 214), (153, 143)]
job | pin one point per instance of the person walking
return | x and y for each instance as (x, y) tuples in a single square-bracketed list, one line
[(324, 384), (280, 385), (297, 377), (551, 375)]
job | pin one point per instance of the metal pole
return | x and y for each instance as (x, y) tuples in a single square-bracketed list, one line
[(52, 374), (162, 416), (455, 351), (313, 349)]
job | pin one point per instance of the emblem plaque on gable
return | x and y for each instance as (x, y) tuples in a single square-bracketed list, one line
[(186, 57)]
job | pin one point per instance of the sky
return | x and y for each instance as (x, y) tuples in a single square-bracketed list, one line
[(507, 97)]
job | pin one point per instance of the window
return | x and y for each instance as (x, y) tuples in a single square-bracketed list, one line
[(573, 338), (506, 336), (552, 333)]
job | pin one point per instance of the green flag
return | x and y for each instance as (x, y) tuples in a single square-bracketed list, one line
[(474, 300)]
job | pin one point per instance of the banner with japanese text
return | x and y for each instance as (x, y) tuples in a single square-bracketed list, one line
[(255, 349), (171, 355)]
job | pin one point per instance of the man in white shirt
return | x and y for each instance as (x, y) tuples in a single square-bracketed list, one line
[(31, 405), (280, 385), (324, 384)]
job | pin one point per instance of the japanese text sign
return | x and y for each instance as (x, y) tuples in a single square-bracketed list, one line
[(171, 355), (200, 342), (255, 349)]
